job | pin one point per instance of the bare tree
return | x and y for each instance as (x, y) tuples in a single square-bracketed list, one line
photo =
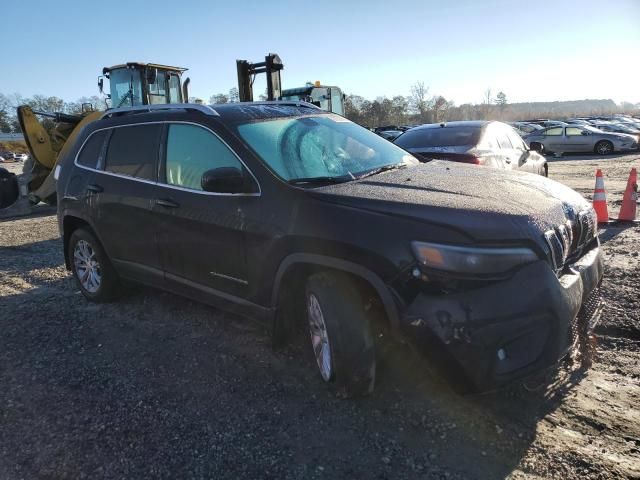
[(420, 101), (218, 98), (440, 108), (487, 100), (234, 96)]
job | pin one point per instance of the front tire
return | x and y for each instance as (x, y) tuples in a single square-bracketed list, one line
[(94, 274), (604, 147), (341, 336)]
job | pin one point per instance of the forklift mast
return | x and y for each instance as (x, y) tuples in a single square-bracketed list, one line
[(247, 72)]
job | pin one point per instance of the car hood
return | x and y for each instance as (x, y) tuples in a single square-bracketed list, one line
[(484, 204)]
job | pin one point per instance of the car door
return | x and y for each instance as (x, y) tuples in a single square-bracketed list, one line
[(577, 139), (202, 234), (523, 161), (554, 139), (507, 152), (121, 189)]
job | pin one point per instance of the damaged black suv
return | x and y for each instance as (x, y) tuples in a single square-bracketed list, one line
[(262, 208)]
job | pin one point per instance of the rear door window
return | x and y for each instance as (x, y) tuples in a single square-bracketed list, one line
[(573, 131), (503, 140), (554, 132), (92, 152), (439, 137), (133, 151), (515, 139)]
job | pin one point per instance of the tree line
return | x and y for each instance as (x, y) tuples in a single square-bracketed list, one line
[(8, 104), (417, 108)]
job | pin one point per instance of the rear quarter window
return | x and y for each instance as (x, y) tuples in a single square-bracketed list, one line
[(93, 150)]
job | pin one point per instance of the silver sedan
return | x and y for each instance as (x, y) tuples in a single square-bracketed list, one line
[(580, 138)]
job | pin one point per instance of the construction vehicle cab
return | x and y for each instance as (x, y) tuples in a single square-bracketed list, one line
[(137, 83), (328, 98), (130, 84)]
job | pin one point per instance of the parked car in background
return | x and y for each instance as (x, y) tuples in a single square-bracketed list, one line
[(577, 121), (546, 123), (2, 159), (580, 138), (618, 128), (491, 144), (524, 128), (390, 134)]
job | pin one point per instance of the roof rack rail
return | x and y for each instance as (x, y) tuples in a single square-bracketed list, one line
[(206, 109), (297, 103)]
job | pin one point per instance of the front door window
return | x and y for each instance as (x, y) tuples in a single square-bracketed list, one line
[(191, 151)]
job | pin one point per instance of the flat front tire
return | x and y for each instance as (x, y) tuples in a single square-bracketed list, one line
[(94, 274), (341, 338)]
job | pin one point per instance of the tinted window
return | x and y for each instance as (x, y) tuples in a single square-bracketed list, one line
[(503, 140), (515, 139), (191, 151), (557, 131), (175, 96), (133, 151), (336, 101), (90, 155), (439, 137)]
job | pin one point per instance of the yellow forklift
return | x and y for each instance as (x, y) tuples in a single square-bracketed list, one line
[(329, 98)]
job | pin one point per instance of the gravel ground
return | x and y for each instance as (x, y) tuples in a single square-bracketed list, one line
[(158, 386)]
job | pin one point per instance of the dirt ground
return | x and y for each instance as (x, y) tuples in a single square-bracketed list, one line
[(156, 386)]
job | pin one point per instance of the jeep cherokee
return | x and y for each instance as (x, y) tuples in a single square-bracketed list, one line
[(261, 207)]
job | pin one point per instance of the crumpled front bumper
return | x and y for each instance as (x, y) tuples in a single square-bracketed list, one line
[(509, 329)]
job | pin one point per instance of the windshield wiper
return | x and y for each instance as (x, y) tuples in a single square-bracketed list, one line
[(378, 170), (297, 181)]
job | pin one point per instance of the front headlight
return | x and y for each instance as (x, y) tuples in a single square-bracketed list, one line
[(471, 260)]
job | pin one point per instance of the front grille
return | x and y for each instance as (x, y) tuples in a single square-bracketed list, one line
[(567, 242), (589, 313), (587, 317)]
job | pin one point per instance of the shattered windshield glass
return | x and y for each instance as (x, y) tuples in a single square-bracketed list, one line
[(320, 146)]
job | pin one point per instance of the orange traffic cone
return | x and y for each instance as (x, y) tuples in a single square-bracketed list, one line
[(628, 210), (600, 199)]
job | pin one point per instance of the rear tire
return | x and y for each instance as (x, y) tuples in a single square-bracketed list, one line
[(344, 348), (537, 147), (94, 274), (604, 147)]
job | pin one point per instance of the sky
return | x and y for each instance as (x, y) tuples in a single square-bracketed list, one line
[(537, 50)]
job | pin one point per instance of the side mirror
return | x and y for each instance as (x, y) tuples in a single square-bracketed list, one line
[(584, 132), (223, 180), (101, 84)]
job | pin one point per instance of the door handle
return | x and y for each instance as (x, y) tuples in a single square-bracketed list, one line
[(162, 202), (94, 188)]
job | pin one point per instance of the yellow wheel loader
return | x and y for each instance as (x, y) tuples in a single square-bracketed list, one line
[(130, 84)]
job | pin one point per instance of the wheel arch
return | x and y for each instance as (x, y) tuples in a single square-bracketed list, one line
[(303, 263), (71, 223)]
